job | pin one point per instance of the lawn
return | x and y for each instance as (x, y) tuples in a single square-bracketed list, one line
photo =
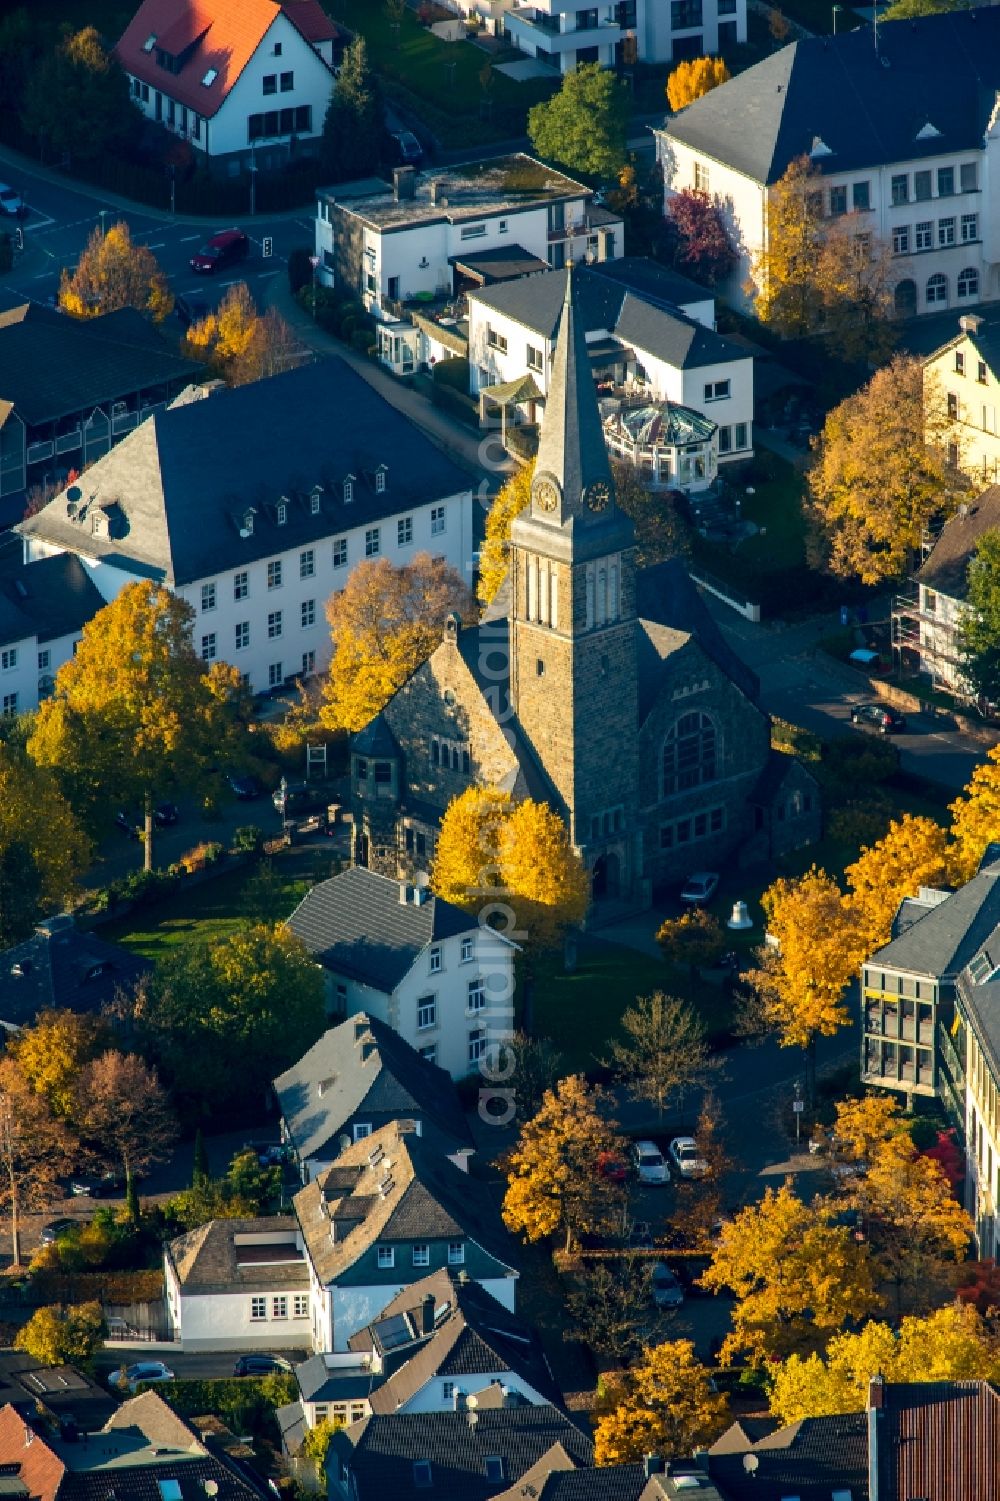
[(776, 507)]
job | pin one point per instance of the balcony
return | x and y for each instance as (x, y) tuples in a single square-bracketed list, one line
[(67, 442), (544, 31), (123, 422), (38, 452)]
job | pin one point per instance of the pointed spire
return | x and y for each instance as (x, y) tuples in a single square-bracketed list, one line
[(571, 448)]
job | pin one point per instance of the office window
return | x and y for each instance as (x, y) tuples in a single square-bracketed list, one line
[(901, 239), (421, 1254), (208, 596), (861, 196), (448, 1391), (701, 178), (456, 1252), (970, 228), (208, 647), (300, 1305), (308, 663), (430, 1054), (404, 531), (287, 82), (923, 235), (901, 188), (270, 83), (496, 341), (716, 390), (242, 632), (684, 14), (8, 658), (946, 181), (275, 675), (258, 1308), (838, 201), (274, 625), (921, 186), (740, 435), (372, 543), (274, 574), (308, 611), (969, 177), (477, 1044), (307, 563), (435, 961), (937, 288), (437, 520), (279, 1307), (241, 585), (386, 1256), (44, 661), (968, 282), (426, 1012), (946, 231), (10, 703), (466, 950), (477, 994), (725, 440), (340, 552)]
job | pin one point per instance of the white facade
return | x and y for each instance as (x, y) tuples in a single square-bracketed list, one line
[(565, 33), (267, 617), (939, 618), (281, 93), (963, 383), (27, 668), (258, 1316), (936, 214)]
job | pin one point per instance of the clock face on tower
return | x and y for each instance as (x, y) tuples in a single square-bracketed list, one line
[(598, 495), (546, 493)]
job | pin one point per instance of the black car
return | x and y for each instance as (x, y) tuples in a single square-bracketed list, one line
[(407, 148), (260, 1365), (129, 823), (244, 788), (51, 1232), (879, 717)]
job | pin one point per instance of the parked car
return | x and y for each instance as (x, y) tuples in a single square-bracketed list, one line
[(273, 1156), (260, 1365), (611, 1166), (244, 787), (688, 1160), (880, 717), (96, 1185), (129, 823), (299, 797), (51, 1232), (650, 1163), (222, 250), (142, 1370), (667, 1291), (188, 310), (700, 887), (11, 202), (407, 148)]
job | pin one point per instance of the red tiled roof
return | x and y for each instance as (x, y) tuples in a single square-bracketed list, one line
[(227, 33)]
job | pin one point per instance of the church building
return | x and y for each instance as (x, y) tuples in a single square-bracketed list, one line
[(605, 690)]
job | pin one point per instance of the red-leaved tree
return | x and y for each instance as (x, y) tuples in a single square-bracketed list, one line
[(703, 243)]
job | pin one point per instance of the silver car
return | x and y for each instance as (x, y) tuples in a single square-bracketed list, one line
[(667, 1291)]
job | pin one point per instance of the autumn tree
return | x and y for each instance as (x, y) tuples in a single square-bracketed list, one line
[(584, 125), (316, 1443), (384, 623), (34, 1149), (52, 1052), (662, 1051), (950, 1344), (57, 1335), (912, 854), (666, 1404), (241, 343), (536, 1065), (703, 243), (979, 626), (800, 981), (661, 530), (864, 1126), (43, 849), (136, 713), (553, 1180), (699, 1202), (124, 1114), (976, 817), (494, 558), (694, 77), (796, 1273), (881, 473), (607, 1303), (912, 10), (695, 938), (114, 273), (857, 275), (77, 98), (354, 134)]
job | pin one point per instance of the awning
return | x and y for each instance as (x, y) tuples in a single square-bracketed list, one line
[(512, 391)]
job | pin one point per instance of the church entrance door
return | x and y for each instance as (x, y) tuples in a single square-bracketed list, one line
[(606, 877)]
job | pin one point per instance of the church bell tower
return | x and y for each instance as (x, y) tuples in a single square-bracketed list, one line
[(574, 630)]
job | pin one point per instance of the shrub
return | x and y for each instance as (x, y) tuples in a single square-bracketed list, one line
[(243, 1402), (522, 441), (300, 270), (201, 856), (454, 373), (361, 340), (248, 839)]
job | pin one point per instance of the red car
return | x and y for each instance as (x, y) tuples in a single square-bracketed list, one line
[(611, 1167), (222, 250)]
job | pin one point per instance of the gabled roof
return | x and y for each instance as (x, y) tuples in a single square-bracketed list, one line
[(602, 290), (946, 567), (811, 1459), (50, 598), (186, 477), (342, 1075), (473, 1334), (666, 597), (358, 924), (381, 1451), (942, 941), (392, 1186), (211, 40), (232, 1256), (62, 967), (571, 443), (868, 107), (53, 366)]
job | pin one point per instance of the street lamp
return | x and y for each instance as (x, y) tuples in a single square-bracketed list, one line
[(104, 214), (838, 10)]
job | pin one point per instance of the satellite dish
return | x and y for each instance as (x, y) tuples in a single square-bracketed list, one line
[(244, 533), (422, 879), (472, 1400), (211, 1487), (751, 1464), (74, 493)]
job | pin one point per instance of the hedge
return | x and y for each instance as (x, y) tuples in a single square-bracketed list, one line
[(465, 408), (104, 1287), (242, 1402)]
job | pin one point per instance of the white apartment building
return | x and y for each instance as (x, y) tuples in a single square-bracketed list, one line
[(565, 33), (245, 83), (961, 379), (238, 1285), (42, 613), (915, 159), (254, 505)]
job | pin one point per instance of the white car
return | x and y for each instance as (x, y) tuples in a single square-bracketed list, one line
[(11, 201), (143, 1370), (650, 1163), (700, 887), (684, 1151)]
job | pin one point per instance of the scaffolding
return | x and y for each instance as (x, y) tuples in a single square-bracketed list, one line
[(924, 644)]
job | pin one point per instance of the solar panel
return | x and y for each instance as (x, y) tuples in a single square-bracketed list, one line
[(393, 1332)]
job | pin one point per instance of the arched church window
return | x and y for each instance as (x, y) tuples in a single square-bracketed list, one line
[(690, 753)]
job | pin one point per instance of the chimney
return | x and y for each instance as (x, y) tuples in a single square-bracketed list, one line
[(970, 323), (360, 1027), (434, 193), (404, 183), (427, 1314), (368, 1047), (876, 1432), (404, 893), (652, 1464)]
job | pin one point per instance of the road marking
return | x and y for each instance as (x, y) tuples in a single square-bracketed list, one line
[(160, 245), (40, 223), (236, 280), (187, 238), (263, 275)]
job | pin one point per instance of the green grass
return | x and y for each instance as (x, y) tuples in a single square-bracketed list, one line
[(817, 15), (581, 1011), (776, 507)]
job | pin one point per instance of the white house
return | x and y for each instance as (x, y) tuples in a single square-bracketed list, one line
[(962, 381), (650, 333), (357, 1078), (409, 959), (914, 158), (255, 504), (245, 82), (42, 613), (238, 1285), (427, 231), (565, 33)]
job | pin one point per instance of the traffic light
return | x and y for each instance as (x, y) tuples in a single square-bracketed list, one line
[(18, 238), (267, 246)]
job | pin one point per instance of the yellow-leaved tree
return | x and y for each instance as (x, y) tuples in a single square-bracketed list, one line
[(976, 817), (43, 849), (136, 713), (554, 1185), (692, 78), (52, 1052), (864, 1126), (494, 558), (114, 273), (796, 1272), (950, 1344), (914, 853), (665, 1404), (384, 623), (55, 1335), (240, 342)]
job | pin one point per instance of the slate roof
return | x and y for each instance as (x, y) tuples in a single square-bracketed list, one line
[(381, 1451), (185, 477), (376, 739), (392, 1080), (942, 942), (427, 1198), (58, 967), (810, 1459), (210, 1260), (556, 1478), (666, 596), (473, 1335), (866, 107), (52, 366), (946, 567), (571, 442), (355, 924), (50, 598), (221, 35)]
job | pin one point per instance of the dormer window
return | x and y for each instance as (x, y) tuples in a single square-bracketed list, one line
[(282, 512), (380, 475), (314, 501), (349, 489), (248, 523), (149, 43)]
